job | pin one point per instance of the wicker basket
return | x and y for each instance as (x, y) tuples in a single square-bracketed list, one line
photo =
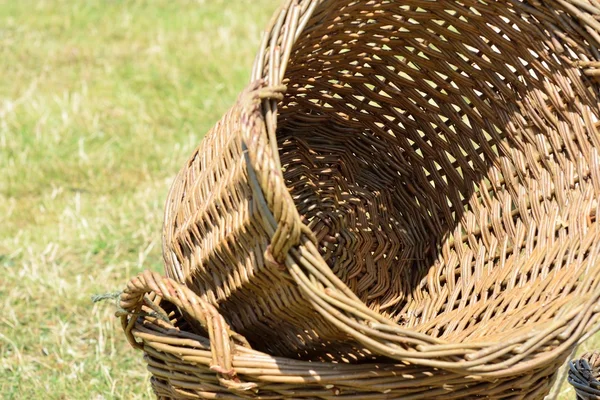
[(408, 184), (583, 376)]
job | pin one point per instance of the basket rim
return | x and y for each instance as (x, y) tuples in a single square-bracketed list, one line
[(239, 368)]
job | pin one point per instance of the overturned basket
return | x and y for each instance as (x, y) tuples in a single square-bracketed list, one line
[(402, 203), (584, 375)]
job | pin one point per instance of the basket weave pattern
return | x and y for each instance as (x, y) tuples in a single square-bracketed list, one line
[(411, 188)]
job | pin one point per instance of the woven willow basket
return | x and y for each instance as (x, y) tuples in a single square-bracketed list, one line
[(402, 204), (584, 375)]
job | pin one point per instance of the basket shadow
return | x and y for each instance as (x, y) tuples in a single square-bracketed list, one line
[(382, 204)]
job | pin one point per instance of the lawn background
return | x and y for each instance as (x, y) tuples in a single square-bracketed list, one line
[(101, 102)]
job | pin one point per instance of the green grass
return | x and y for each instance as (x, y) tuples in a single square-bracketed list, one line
[(101, 102)]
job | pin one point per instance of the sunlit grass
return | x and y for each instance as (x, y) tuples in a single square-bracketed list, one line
[(101, 101)]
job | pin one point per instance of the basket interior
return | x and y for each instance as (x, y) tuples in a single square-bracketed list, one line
[(441, 152)]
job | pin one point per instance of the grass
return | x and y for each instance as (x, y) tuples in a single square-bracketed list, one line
[(101, 102)]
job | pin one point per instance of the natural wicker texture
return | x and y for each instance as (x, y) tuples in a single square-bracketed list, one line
[(413, 181), (193, 354), (584, 375), (429, 178)]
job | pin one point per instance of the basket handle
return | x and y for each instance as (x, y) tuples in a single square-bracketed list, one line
[(280, 216), (222, 339)]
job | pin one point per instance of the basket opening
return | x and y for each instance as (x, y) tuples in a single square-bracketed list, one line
[(419, 152)]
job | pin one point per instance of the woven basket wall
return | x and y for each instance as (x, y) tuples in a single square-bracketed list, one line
[(409, 183)]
